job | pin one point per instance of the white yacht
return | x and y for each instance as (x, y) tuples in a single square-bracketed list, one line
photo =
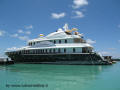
[(64, 46)]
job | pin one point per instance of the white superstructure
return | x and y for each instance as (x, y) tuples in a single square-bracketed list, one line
[(62, 41)]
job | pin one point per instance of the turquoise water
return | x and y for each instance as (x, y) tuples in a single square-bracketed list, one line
[(60, 77)]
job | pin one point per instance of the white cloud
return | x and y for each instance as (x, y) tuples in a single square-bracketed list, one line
[(90, 41), (58, 15), (24, 38), (29, 27), (79, 3), (20, 31), (2, 33), (14, 35), (79, 14), (28, 32), (13, 48)]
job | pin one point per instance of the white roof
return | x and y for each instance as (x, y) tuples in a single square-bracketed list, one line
[(59, 34)]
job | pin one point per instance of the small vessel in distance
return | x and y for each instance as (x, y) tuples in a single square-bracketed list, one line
[(64, 46)]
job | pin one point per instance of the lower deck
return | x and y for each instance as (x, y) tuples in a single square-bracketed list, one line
[(78, 58)]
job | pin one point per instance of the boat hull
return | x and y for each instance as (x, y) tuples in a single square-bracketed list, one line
[(64, 59)]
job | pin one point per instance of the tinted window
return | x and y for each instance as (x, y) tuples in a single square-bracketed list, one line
[(64, 50), (59, 41), (73, 49), (54, 50), (59, 50), (54, 41), (65, 41)]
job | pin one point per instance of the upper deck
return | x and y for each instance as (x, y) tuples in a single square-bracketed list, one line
[(61, 36)]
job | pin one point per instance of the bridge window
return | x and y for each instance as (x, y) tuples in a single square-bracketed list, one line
[(65, 41)]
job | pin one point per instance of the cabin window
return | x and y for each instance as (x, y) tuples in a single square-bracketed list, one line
[(54, 41), (34, 51), (43, 51), (33, 43), (84, 50), (19, 52), (37, 51), (59, 50), (26, 51), (46, 50), (65, 41), (54, 50), (73, 50), (40, 51), (65, 50), (50, 50), (59, 41), (30, 51)]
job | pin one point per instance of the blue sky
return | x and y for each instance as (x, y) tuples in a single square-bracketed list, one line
[(98, 20)]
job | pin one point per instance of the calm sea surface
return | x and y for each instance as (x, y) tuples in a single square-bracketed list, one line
[(60, 77)]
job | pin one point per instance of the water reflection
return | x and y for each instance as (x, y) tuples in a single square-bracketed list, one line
[(65, 71), (56, 76)]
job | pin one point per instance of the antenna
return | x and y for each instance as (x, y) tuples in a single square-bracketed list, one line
[(65, 27)]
